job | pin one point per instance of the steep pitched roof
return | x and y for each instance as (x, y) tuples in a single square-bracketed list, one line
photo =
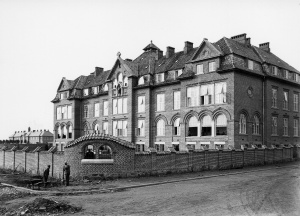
[(271, 58), (46, 133), (151, 46)]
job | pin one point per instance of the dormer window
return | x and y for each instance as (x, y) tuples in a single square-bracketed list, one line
[(160, 77), (250, 65), (105, 87), (285, 74), (274, 70), (212, 66), (125, 81), (85, 92), (141, 81), (64, 95), (120, 78), (200, 69), (96, 89), (177, 73)]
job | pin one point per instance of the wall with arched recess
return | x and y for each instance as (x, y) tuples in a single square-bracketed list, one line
[(121, 162)]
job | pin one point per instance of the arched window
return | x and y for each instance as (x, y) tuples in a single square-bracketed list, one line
[(160, 128), (85, 130), (177, 127), (221, 125), (89, 152), (125, 81), (96, 128), (141, 81), (105, 88), (115, 83), (120, 78), (193, 126), (206, 126), (70, 131), (256, 125), (64, 131), (58, 132), (105, 152), (242, 124)]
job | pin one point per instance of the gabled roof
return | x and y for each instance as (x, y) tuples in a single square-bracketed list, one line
[(229, 46), (151, 46), (65, 84), (215, 49), (272, 59), (46, 133)]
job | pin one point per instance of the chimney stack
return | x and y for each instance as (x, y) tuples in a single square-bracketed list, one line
[(159, 54), (188, 46), (170, 52), (240, 38), (248, 42), (265, 46), (98, 71)]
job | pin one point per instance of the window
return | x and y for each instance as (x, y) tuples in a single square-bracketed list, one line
[(105, 88), (296, 102), (120, 106), (58, 113), (160, 77), (193, 126), (193, 96), (250, 64), (221, 125), (160, 102), (206, 94), (296, 77), (59, 133), (141, 127), (69, 112), (85, 130), (95, 90), (85, 111), (211, 66), (120, 78), (105, 127), (160, 127), (177, 127), (176, 100), (105, 152), (141, 104), (115, 83), (141, 81), (206, 126), (96, 128), (242, 124), (177, 73), (85, 92), (274, 70), (274, 125), (285, 100), (274, 97), (125, 82), (120, 128), (64, 95), (200, 69), (89, 152), (105, 108), (70, 131), (220, 93), (159, 147), (285, 126), (64, 112), (286, 74), (296, 127), (256, 125), (96, 110), (139, 147)]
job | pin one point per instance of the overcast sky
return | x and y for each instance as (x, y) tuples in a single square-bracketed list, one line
[(43, 41)]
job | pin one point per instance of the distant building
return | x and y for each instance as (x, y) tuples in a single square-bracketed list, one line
[(32, 137), (218, 95)]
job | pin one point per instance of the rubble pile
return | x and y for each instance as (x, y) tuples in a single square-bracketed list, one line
[(10, 193), (42, 206)]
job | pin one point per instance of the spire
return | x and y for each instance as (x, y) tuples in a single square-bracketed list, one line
[(151, 47)]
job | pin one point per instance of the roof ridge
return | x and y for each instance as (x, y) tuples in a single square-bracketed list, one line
[(226, 42)]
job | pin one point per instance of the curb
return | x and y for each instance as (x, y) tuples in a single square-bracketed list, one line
[(58, 193)]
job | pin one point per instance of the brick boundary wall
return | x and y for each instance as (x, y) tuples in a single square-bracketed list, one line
[(128, 163)]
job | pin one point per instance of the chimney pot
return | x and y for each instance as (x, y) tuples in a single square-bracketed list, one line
[(170, 52), (188, 46), (265, 46), (128, 60), (98, 71), (240, 38)]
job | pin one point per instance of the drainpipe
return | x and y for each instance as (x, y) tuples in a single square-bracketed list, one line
[(263, 110)]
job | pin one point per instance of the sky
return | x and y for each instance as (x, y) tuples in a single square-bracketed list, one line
[(42, 41)]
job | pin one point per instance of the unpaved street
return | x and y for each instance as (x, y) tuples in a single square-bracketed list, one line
[(271, 192)]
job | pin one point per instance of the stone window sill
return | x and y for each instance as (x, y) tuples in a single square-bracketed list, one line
[(97, 161)]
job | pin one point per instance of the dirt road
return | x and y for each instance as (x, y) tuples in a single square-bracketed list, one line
[(272, 192)]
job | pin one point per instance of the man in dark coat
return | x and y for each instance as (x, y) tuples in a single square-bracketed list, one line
[(66, 171), (46, 175)]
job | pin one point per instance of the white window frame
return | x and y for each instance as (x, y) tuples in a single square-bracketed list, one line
[(296, 102), (141, 104), (160, 102), (256, 125), (274, 97), (160, 128), (274, 126), (250, 64), (176, 125), (193, 98), (176, 100), (220, 93), (285, 126), (285, 100), (212, 66), (141, 128), (243, 124), (58, 113), (160, 77), (141, 80), (200, 69), (105, 127), (97, 109), (85, 111), (207, 93), (69, 110), (105, 108), (85, 92), (296, 127)]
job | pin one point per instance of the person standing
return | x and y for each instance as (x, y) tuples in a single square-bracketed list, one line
[(66, 171), (46, 175)]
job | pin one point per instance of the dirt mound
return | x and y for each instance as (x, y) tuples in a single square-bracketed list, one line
[(42, 206), (10, 193)]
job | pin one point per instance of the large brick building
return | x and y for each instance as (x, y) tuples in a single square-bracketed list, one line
[(217, 95)]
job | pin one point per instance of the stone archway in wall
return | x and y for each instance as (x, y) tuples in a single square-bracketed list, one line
[(98, 154)]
